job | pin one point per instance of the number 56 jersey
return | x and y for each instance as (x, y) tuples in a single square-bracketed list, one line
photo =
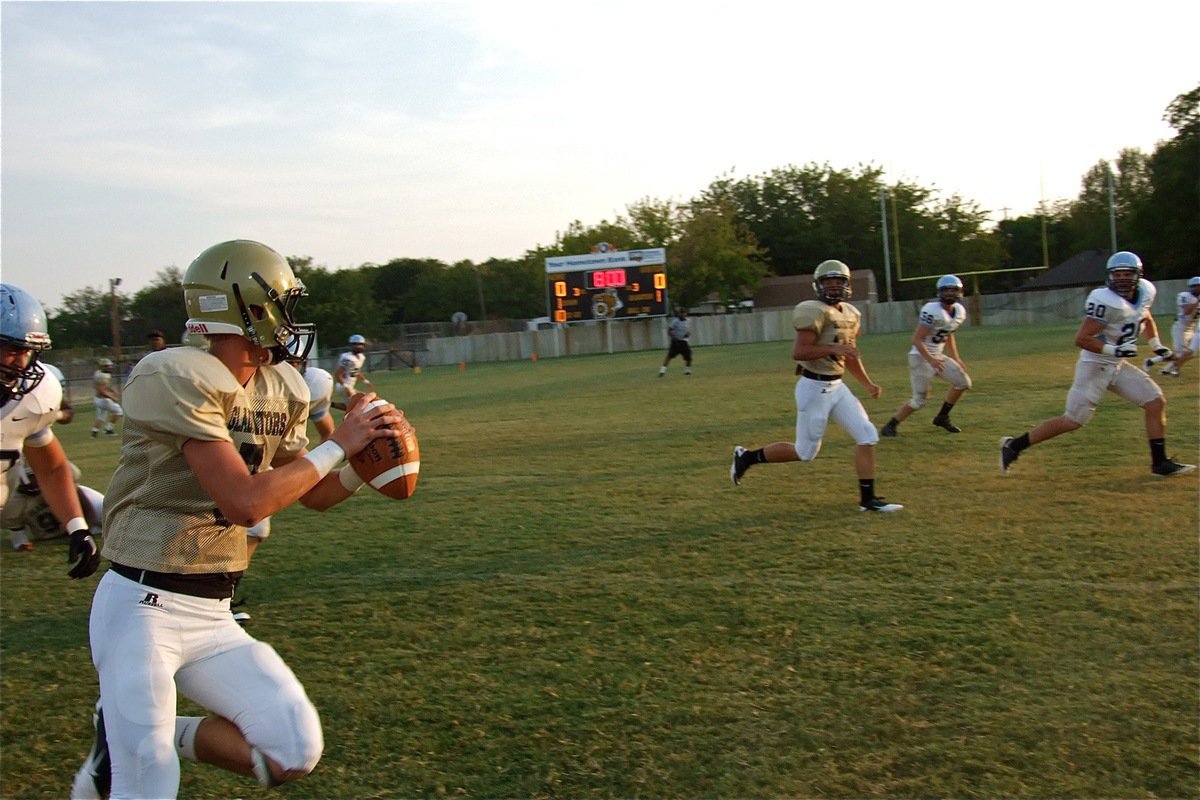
[(157, 515), (1122, 321)]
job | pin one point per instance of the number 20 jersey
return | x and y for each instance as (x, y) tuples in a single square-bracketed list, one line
[(1122, 321), (157, 515)]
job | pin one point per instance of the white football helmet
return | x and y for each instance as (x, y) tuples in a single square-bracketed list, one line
[(1194, 285), (825, 282), (247, 289)]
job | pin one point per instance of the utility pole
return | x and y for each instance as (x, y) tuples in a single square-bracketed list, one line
[(113, 283), (887, 258)]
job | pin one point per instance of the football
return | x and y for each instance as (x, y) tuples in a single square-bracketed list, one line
[(391, 466)]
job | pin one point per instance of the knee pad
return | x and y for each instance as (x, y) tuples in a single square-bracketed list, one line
[(289, 729), (918, 401)]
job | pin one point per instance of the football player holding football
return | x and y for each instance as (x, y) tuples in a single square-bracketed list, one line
[(826, 331), (201, 428), (935, 354), (31, 398), (107, 407), (1113, 317)]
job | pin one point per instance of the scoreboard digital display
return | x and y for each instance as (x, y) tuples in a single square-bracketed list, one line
[(607, 285)]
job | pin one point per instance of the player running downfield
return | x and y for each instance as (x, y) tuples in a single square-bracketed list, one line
[(1184, 333), (934, 354), (1107, 338), (825, 345)]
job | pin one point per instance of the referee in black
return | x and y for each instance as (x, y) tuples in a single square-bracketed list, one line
[(679, 330)]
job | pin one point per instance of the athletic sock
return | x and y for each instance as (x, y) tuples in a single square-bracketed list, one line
[(1158, 451), (1020, 443), (945, 412), (866, 490)]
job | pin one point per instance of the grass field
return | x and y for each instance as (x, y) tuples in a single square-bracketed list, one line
[(576, 603)]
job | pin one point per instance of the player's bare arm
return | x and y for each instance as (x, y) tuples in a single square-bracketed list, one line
[(804, 348), (57, 482), (923, 332), (247, 499), (1087, 337)]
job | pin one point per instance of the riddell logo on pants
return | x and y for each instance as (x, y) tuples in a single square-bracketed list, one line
[(151, 601)]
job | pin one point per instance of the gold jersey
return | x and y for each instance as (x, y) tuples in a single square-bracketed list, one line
[(833, 324), (157, 516)]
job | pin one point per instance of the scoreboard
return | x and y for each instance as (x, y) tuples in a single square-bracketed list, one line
[(607, 285)]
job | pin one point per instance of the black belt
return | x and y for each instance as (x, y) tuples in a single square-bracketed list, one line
[(215, 585), (816, 376)]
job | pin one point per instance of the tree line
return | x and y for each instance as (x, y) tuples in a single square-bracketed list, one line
[(738, 231)]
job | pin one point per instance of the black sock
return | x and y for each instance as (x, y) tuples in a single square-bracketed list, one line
[(1158, 451), (893, 422), (866, 489), (945, 412), (756, 456), (1021, 442)]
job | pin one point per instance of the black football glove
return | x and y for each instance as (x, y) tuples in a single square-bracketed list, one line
[(83, 553)]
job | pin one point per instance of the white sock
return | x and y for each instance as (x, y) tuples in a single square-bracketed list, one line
[(185, 736)]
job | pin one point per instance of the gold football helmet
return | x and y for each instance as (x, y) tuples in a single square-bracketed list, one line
[(835, 292), (247, 289)]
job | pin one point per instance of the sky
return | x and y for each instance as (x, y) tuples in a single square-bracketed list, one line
[(133, 135)]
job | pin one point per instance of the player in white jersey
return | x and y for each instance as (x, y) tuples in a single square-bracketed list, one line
[(826, 331), (107, 407), (1184, 333), (934, 354), (350, 368), (27, 515), (201, 428), (1113, 318), (30, 398)]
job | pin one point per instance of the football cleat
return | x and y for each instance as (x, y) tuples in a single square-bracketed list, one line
[(94, 779), (737, 469), (1171, 467), (880, 505), (946, 424), (888, 430), (1007, 454), (1149, 362)]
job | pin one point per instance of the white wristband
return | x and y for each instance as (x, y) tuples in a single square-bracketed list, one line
[(350, 480), (76, 524), (1109, 349), (325, 457)]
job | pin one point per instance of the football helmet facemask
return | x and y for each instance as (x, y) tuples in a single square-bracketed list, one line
[(949, 290), (22, 327), (247, 289), (1124, 271), (825, 282)]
